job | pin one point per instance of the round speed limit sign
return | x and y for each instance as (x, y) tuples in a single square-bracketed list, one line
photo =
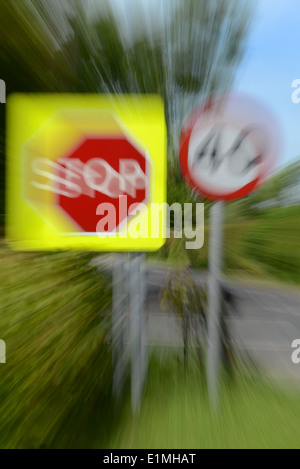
[(227, 147)]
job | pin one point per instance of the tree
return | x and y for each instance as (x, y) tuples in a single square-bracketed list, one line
[(188, 53)]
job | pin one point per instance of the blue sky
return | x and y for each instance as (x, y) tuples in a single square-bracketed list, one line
[(271, 63)]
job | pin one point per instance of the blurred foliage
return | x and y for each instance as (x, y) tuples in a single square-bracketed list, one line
[(274, 243), (262, 247), (183, 297), (187, 299), (261, 231), (184, 52), (56, 384), (280, 190), (177, 256)]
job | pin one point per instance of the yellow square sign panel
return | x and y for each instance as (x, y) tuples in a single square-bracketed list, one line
[(86, 172)]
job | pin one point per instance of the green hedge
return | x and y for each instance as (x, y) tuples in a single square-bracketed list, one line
[(56, 384)]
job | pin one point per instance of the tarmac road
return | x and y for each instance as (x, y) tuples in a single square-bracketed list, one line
[(264, 322)]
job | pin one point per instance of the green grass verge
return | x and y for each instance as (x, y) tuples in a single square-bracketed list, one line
[(175, 414)]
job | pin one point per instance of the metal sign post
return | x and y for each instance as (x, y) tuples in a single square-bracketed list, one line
[(119, 300), (129, 291), (226, 149), (144, 322), (215, 301), (137, 331)]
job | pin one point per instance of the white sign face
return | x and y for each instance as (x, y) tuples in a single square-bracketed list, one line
[(228, 148), (2, 351), (2, 91)]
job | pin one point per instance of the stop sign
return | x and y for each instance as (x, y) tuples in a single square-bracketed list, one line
[(99, 171), (86, 172)]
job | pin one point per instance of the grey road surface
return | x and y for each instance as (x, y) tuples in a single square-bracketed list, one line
[(263, 324)]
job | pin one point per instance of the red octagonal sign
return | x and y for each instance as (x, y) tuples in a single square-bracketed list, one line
[(99, 171)]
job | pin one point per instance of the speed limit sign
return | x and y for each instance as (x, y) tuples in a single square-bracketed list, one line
[(227, 147)]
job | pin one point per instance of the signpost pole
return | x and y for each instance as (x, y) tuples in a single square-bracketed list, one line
[(214, 295), (119, 291), (223, 157), (137, 289), (144, 321)]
